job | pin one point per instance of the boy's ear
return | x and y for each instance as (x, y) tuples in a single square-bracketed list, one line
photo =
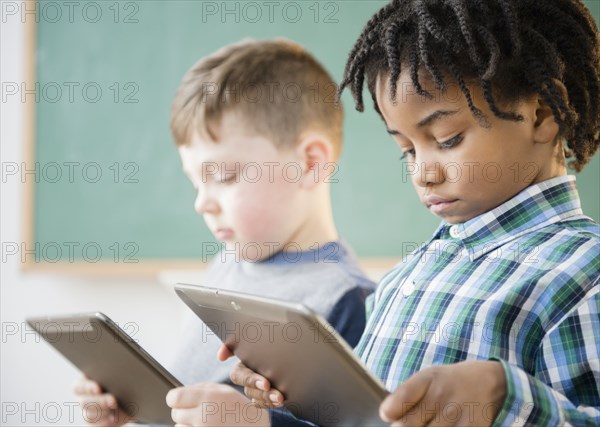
[(546, 128), (315, 152)]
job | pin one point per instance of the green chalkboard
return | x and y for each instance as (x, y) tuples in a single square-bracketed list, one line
[(110, 183)]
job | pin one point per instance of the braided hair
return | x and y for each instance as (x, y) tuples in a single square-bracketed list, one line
[(511, 48)]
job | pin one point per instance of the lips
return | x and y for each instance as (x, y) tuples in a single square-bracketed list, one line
[(438, 205), (223, 233), (435, 200)]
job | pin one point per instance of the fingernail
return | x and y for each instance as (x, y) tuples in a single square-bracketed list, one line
[(111, 402), (261, 385), (274, 397)]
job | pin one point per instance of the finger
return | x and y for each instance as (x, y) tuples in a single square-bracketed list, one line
[(265, 404), (97, 410), (84, 386), (418, 415), (224, 353), (102, 401), (406, 396), (245, 377), (262, 404), (272, 398), (182, 416), (453, 414), (183, 398)]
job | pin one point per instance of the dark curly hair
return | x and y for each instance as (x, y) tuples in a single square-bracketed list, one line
[(511, 48)]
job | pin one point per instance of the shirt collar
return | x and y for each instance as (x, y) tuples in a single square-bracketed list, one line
[(535, 207), (329, 252)]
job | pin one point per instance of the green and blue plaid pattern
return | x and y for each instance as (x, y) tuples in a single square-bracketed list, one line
[(519, 284)]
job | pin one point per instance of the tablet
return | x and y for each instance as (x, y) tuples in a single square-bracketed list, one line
[(297, 350), (107, 355)]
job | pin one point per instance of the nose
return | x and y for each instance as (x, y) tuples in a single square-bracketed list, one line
[(429, 172), (205, 203)]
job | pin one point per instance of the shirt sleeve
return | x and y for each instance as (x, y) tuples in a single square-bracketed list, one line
[(281, 417), (348, 315), (565, 389)]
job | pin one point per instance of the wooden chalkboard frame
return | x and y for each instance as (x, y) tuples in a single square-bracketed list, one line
[(29, 133)]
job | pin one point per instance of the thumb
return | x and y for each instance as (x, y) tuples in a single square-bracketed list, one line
[(405, 397)]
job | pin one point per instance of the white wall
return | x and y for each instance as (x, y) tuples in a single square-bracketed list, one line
[(35, 380)]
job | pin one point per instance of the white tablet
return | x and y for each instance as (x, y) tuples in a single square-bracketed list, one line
[(107, 355), (297, 350)]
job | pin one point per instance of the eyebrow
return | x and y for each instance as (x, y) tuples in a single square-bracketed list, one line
[(435, 116), (427, 121)]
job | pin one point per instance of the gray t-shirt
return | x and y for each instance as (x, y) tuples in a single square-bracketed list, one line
[(328, 280)]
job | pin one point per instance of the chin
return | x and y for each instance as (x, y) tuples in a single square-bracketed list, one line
[(455, 219)]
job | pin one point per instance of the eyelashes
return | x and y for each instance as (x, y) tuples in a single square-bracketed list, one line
[(224, 180), (451, 142), (228, 179), (444, 145)]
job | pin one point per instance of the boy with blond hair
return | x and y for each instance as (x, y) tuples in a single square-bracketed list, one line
[(258, 131)]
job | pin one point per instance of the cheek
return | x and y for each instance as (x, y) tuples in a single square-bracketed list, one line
[(486, 180), (260, 210), (251, 214)]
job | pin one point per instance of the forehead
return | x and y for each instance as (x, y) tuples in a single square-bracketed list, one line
[(406, 92), (233, 145)]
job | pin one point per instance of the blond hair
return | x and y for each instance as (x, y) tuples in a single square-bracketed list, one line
[(276, 87)]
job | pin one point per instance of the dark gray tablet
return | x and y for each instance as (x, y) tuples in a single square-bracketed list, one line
[(297, 350), (107, 355)]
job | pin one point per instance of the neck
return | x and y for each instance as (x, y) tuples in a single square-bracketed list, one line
[(318, 226), (557, 166)]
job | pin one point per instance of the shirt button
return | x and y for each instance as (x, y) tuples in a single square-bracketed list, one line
[(408, 289), (454, 232)]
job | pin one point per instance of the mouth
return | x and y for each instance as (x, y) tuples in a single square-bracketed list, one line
[(439, 205), (223, 233)]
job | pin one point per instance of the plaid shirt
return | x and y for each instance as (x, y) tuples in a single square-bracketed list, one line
[(519, 284)]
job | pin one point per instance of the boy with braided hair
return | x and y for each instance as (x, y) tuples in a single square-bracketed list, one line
[(495, 320)]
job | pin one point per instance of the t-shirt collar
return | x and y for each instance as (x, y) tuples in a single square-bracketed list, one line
[(329, 252)]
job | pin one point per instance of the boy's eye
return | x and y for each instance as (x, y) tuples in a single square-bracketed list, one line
[(451, 142), (227, 178)]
